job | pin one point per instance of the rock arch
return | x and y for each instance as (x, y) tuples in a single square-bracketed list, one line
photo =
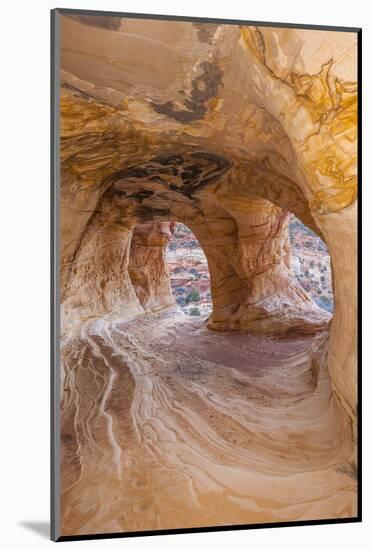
[(244, 237)]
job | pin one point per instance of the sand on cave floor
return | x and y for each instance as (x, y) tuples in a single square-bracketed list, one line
[(166, 424)]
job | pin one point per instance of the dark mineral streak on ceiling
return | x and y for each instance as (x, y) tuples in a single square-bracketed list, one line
[(206, 31), (204, 87), (101, 21), (185, 173)]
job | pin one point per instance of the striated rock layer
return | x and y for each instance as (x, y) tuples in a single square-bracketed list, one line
[(225, 128), (166, 425)]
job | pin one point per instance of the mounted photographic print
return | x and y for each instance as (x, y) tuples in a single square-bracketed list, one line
[(204, 274)]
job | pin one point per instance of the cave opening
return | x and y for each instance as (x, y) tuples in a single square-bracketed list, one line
[(189, 272), (167, 265), (190, 277), (311, 264)]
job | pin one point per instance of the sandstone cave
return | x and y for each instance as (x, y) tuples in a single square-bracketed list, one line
[(247, 415)]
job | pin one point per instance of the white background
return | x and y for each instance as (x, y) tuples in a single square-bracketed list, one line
[(24, 272)]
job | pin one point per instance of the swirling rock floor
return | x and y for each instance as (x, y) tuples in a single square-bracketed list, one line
[(166, 424)]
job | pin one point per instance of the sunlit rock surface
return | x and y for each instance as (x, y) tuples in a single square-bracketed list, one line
[(250, 415)]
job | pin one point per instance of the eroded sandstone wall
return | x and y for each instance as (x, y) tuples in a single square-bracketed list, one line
[(174, 121), (148, 269)]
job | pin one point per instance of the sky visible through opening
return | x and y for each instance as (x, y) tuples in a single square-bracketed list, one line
[(190, 278)]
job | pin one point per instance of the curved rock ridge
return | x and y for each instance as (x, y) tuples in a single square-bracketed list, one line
[(227, 129), (166, 424)]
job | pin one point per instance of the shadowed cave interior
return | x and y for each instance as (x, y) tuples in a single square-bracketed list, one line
[(246, 413)]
